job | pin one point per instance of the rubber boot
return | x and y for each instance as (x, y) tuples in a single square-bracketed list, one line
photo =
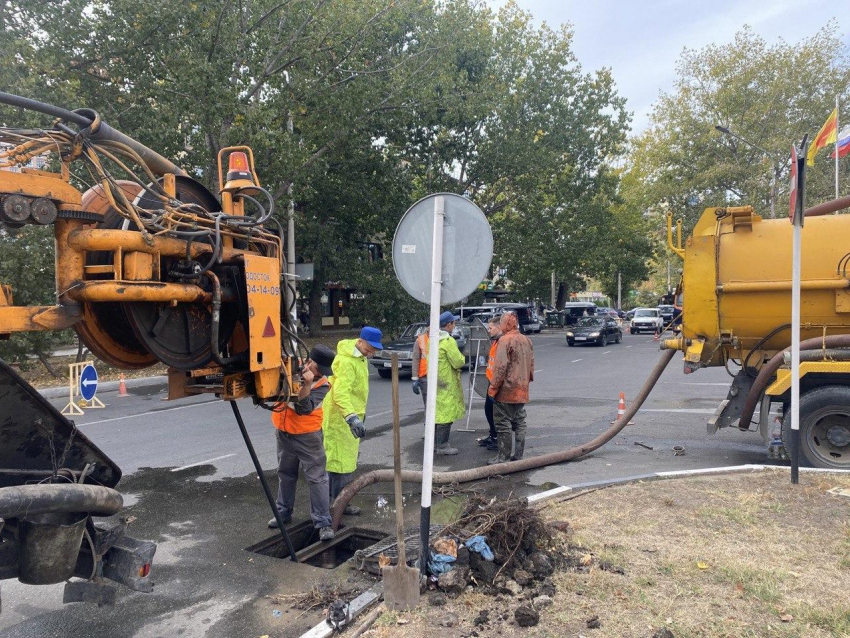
[(504, 454), (519, 448), (441, 440)]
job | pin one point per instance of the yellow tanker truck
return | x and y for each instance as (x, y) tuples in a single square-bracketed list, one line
[(735, 295)]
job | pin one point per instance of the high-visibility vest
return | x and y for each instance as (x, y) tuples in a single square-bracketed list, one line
[(289, 421), (491, 360), (422, 340)]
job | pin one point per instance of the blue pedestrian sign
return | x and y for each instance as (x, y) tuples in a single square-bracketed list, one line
[(88, 382)]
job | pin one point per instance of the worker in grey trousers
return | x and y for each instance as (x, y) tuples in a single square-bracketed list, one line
[(300, 443)]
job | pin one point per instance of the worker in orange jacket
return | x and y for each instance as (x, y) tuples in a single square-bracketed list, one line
[(300, 443), (494, 329), (419, 368), (513, 370)]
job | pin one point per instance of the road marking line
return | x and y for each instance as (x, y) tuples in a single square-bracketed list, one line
[(536, 371), (152, 413), (607, 352), (680, 410), (207, 462), (725, 385), (628, 346), (576, 360)]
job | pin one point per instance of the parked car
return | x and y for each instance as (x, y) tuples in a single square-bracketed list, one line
[(608, 312), (630, 314), (575, 310), (667, 314), (528, 320), (646, 320), (404, 347), (596, 330)]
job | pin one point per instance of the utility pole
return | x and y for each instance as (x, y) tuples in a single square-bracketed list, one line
[(290, 240), (619, 290), (554, 296)]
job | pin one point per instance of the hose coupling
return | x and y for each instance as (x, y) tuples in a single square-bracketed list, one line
[(673, 344)]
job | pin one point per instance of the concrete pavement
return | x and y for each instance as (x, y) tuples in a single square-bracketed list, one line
[(193, 489)]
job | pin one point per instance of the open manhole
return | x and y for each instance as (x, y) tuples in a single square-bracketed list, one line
[(310, 550)]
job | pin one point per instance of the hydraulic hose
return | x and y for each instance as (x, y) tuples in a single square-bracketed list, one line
[(832, 354), (60, 498), (96, 130), (510, 467), (769, 369)]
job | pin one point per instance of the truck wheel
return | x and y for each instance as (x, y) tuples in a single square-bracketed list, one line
[(824, 428), (384, 374)]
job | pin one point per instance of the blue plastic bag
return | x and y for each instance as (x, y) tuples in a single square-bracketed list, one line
[(441, 563), (479, 545)]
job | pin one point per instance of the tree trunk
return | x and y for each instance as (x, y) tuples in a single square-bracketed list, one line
[(46, 363), (563, 295), (81, 351)]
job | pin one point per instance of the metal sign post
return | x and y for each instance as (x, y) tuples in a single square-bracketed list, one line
[(431, 398), (798, 171)]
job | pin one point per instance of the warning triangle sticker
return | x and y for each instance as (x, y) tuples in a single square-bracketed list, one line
[(268, 331)]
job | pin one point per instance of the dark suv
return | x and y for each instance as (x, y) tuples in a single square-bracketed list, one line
[(526, 315), (404, 347)]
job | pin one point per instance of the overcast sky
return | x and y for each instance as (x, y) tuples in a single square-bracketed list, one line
[(641, 40)]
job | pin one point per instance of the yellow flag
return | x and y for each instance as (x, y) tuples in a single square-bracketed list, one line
[(826, 135)]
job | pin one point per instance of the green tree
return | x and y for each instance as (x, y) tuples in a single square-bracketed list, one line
[(769, 95), (26, 263)]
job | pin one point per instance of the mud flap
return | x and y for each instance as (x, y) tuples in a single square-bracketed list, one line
[(728, 413), (87, 591)]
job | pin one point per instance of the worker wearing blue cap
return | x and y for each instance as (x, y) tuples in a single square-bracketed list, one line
[(450, 406), (345, 408)]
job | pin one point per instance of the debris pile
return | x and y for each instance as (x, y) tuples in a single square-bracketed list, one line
[(498, 548)]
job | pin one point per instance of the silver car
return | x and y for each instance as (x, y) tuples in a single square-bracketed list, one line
[(646, 320)]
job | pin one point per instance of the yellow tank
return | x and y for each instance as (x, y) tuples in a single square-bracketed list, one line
[(736, 284)]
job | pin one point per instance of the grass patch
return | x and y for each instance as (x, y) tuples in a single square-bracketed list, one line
[(762, 584), (731, 557)]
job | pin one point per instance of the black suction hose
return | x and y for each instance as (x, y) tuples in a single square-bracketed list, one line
[(60, 498), (96, 130)]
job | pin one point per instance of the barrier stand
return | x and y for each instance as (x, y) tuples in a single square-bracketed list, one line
[(471, 390), (75, 408)]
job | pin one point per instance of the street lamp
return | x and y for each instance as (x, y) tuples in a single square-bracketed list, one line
[(777, 168)]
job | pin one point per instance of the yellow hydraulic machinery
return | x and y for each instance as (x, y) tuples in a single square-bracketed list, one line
[(151, 266), (735, 294)]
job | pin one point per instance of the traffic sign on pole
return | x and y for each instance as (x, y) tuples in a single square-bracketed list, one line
[(442, 250), (88, 382)]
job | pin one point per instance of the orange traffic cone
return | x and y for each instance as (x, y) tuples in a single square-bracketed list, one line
[(621, 409), (122, 388)]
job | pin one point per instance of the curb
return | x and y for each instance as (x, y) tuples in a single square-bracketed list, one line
[(729, 469), (106, 386), (355, 608)]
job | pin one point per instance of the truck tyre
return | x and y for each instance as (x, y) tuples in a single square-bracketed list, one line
[(824, 428)]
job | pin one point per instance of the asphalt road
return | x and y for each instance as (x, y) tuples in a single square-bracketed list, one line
[(190, 484)]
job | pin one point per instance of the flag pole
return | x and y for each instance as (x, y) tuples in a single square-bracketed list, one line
[(836, 145)]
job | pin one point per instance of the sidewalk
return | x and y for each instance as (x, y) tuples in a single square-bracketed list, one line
[(107, 386)]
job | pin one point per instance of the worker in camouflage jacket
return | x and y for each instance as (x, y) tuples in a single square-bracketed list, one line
[(513, 371)]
